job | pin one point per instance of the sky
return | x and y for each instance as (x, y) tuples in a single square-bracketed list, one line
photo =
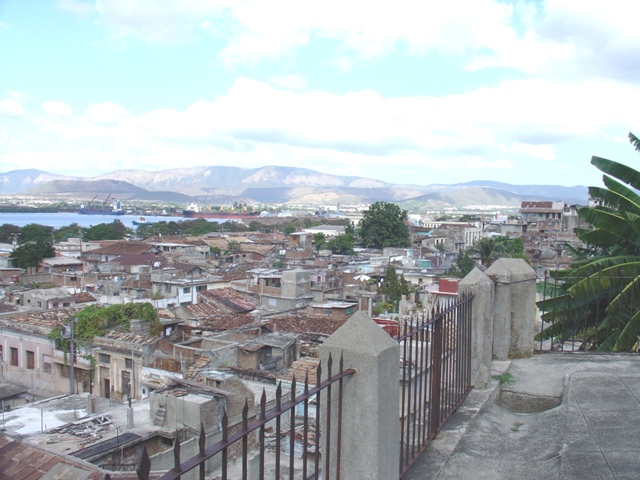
[(408, 92)]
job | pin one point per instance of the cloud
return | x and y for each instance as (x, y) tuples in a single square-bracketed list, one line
[(107, 113), (10, 107), (291, 82), (570, 38), (492, 129), (57, 109), (77, 8)]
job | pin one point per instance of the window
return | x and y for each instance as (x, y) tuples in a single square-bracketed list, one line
[(328, 311), (46, 363), (186, 290), (14, 357), (1, 354), (31, 360), (128, 363), (349, 311), (104, 358)]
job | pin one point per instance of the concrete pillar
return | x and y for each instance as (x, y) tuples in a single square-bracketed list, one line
[(515, 308), (482, 315), (502, 309), (370, 432)]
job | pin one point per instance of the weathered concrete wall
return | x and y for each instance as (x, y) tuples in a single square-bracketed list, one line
[(482, 287), (370, 433), (515, 308)]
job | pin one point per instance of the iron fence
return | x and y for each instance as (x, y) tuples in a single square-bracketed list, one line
[(251, 434), (435, 373), (597, 312)]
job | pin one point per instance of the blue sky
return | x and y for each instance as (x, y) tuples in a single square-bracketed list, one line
[(416, 92)]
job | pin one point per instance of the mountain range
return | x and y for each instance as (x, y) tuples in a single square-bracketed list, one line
[(275, 184)]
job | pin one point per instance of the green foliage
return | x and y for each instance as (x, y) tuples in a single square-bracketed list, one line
[(382, 225), (341, 245), (597, 300), (233, 246), (393, 287), (29, 254), (319, 240), (7, 230), (107, 231), (489, 249), (383, 307), (469, 218), (35, 233), (506, 379), (462, 266), (95, 321), (63, 234), (288, 228)]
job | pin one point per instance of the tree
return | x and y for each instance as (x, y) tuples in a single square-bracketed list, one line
[(382, 225), (8, 231), (29, 254), (393, 287), (107, 231), (319, 240), (462, 266), (602, 286), (341, 245), (491, 248), (63, 234), (35, 233)]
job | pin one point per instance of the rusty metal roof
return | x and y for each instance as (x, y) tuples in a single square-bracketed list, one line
[(22, 461)]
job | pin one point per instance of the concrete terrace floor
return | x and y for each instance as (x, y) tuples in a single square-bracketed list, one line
[(592, 433)]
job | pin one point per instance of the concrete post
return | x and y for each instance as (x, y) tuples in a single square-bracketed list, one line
[(502, 309), (370, 430), (482, 315), (514, 309)]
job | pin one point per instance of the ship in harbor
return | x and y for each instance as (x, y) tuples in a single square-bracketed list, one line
[(195, 211), (89, 209)]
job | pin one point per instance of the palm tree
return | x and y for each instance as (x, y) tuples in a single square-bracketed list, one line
[(488, 249), (598, 298)]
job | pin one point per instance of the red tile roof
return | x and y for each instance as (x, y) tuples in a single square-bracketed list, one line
[(308, 327)]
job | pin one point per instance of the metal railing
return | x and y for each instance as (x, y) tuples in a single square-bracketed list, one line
[(598, 312), (435, 371), (247, 431)]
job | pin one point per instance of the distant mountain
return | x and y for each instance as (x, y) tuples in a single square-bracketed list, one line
[(19, 181), (214, 180), (577, 193), (274, 184), (86, 190)]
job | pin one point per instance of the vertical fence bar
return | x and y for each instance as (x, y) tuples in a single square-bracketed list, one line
[(245, 441), (176, 452), (409, 366), (327, 473), (278, 428), (202, 442), (340, 393), (436, 373), (318, 410), (305, 425), (403, 406), (292, 428), (225, 439), (263, 408)]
